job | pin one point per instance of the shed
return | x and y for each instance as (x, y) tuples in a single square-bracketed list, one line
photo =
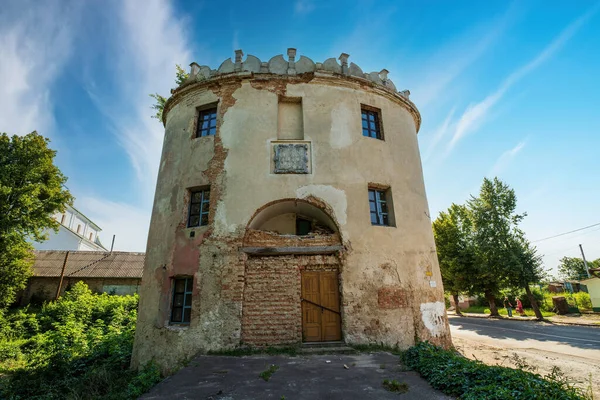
[(593, 287), (104, 272)]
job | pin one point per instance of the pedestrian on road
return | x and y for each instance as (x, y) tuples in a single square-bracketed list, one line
[(508, 306), (520, 308)]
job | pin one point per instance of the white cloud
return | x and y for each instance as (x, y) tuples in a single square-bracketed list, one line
[(476, 114), (439, 134), (449, 62), (129, 223), (151, 41), (505, 159), (303, 7), (34, 45)]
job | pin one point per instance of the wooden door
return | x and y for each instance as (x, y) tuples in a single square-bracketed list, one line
[(320, 306)]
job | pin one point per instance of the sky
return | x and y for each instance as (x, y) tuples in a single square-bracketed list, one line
[(504, 89)]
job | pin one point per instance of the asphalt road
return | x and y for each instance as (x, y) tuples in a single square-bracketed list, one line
[(580, 341)]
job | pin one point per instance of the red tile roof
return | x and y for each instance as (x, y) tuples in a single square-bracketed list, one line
[(89, 264)]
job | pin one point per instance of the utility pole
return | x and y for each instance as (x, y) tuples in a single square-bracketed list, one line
[(62, 275), (112, 244), (587, 270)]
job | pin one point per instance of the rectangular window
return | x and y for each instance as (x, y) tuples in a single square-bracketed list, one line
[(378, 206), (91, 236), (207, 122), (62, 219), (198, 214), (371, 122), (78, 228), (181, 309)]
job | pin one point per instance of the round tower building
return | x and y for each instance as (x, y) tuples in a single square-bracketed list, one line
[(290, 208)]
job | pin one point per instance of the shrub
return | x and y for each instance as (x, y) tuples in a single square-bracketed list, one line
[(466, 379), (583, 300), (77, 347)]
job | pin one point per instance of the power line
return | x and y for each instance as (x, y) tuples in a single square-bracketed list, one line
[(566, 233)]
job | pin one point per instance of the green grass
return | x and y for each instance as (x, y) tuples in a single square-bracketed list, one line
[(266, 374), (502, 311), (395, 386)]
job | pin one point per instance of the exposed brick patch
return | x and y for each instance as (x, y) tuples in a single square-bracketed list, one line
[(259, 238), (390, 297), (272, 311)]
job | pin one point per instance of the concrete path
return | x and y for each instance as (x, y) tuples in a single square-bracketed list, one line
[(303, 377)]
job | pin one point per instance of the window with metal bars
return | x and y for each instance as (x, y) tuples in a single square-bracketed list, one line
[(207, 122), (181, 309), (371, 123), (198, 213), (378, 207)]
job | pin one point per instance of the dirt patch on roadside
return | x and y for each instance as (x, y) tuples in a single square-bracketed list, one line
[(577, 369)]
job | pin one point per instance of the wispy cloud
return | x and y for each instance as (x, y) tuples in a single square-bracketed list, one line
[(450, 61), (129, 223), (33, 49), (154, 43), (505, 159), (151, 41), (476, 114), (440, 132), (303, 7)]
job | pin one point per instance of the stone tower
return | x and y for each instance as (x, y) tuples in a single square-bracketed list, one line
[(290, 207)]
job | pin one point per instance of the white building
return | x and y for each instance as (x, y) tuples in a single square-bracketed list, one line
[(76, 232)]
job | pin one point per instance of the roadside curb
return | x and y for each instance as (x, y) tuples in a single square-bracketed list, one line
[(519, 319)]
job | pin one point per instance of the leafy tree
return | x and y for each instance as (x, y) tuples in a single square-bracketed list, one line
[(453, 232), (159, 106), (495, 222), (31, 190), (527, 268), (573, 268)]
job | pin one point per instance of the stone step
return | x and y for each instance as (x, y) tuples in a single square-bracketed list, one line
[(323, 344), (339, 348)]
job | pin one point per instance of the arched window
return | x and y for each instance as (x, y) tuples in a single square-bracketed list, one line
[(293, 217)]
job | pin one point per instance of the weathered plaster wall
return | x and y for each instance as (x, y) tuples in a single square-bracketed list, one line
[(390, 280)]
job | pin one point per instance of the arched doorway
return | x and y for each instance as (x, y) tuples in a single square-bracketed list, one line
[(291, 290)]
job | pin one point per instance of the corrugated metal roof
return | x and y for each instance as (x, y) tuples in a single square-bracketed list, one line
[(89, 264)]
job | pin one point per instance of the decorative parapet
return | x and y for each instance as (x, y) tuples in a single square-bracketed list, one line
[(292, 67)]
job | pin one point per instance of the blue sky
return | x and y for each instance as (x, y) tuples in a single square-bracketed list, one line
[(506, 89)]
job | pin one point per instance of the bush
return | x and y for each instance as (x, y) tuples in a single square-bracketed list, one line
[(77, 347), (466, 379), (583, 300)]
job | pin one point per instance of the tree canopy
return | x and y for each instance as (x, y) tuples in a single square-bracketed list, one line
[(480, 246), (573, 268), (31, 190)]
